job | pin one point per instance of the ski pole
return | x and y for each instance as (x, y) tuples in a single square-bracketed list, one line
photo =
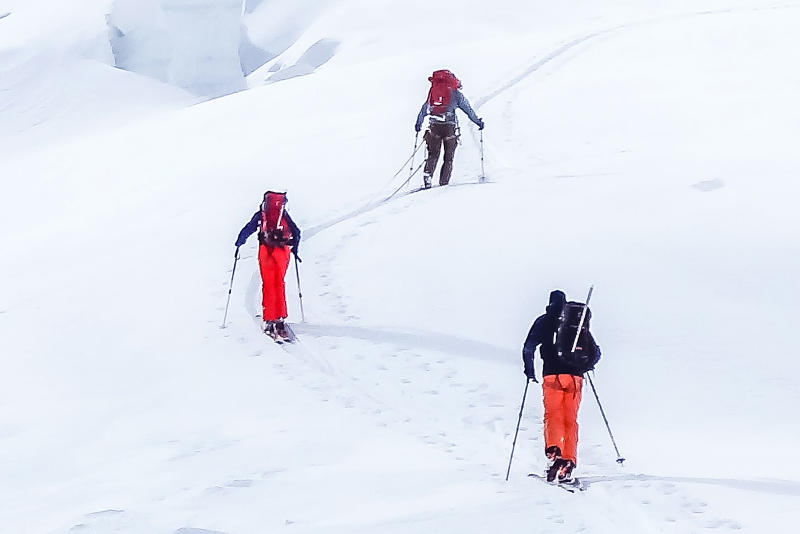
[(620, 459), (483, 172), (411, 166), (403, 166), (230, 288), (299, 291), (583, 316), (513, 445), (404, 183)]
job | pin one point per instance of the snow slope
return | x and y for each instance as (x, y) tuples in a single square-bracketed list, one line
[(638, 146)]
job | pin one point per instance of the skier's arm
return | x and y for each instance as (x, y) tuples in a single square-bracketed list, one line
[(463, 103), (295, 233), (423, 112), (598, 352), (248, 229), (529, 349)]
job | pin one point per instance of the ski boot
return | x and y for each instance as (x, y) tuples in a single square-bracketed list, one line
[(283, 331), (426, 181), (270, 328), (565, 472), (554, 462)]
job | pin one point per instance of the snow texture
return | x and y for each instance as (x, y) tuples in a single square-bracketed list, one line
[(645, 147), (194, 44)]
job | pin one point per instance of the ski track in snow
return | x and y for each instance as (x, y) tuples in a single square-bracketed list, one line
[(531, 69), (419, 388), (774, 487)]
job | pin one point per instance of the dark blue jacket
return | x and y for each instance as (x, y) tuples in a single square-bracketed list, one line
[(543, 332), (252, 227)]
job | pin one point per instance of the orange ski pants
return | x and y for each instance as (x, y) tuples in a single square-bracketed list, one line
[(273, 262), (562, 397)]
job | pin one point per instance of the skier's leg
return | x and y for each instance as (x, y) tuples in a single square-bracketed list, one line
[(272, 273), (450, 144), (553, 394), (572, 401), (264, 266), (281, 255), (434, 144)]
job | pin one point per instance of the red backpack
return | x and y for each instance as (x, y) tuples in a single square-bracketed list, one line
[(273, 231), (443, 83)]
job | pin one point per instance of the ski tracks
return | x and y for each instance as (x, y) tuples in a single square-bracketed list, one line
[(421, 382), (573, 46), (560, 51)]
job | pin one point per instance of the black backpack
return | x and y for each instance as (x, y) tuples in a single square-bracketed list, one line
[(584, 357)]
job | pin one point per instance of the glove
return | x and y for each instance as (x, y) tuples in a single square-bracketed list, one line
[(531, 374), (417, 127), (293, 250), (480, 124), (239, 243), (236, 253)]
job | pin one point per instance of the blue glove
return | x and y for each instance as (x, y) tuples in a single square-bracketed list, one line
[(239, 242), (417, 127), (480, 124)]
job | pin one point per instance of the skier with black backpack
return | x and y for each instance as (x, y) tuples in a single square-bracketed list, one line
[(566, 357), (444, 97), (278, 236)]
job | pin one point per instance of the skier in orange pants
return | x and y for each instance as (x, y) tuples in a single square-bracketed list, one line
[(562, 398), (561, 388), (278, 236)]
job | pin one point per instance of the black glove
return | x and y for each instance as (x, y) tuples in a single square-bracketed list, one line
[(531, 374), (236, 253), (417, 128), (480, 124)]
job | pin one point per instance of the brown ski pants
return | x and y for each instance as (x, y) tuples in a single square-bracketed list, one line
[(439, 134)]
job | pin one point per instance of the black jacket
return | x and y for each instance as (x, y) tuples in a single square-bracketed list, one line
[(543, 332)]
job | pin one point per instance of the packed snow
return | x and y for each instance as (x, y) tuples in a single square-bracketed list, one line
[(645, 147)]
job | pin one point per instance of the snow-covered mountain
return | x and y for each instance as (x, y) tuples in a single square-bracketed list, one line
[(644, 147)]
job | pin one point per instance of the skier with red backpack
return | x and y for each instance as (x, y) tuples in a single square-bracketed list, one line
[(444, 97), (278, 236), (568, 351)]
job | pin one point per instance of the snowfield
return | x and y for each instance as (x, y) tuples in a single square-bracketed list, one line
[(645, 147)]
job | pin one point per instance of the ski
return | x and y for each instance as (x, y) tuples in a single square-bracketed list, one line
[(572, 486)]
